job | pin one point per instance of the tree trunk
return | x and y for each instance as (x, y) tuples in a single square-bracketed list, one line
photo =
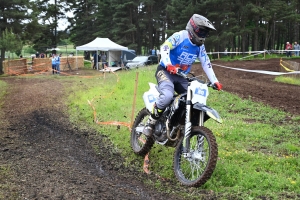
[(1, 60)]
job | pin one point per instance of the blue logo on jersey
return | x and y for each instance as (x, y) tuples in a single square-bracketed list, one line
[(201, 92), (186, 58)]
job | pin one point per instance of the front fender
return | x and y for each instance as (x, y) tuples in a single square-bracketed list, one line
[(212, 113)]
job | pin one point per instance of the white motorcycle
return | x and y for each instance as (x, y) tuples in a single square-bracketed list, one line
[(181, 126)]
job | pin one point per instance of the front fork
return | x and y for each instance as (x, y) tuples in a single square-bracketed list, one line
[(188, 123)]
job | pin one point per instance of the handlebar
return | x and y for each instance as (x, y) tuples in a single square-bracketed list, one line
[(190, 79)]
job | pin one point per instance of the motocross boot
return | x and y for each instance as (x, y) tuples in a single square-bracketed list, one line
[(150, 125)]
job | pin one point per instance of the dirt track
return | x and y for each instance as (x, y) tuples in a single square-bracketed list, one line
[(260, 87), (51, 159)]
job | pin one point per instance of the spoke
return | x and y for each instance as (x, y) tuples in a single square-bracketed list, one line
[(193, 167)]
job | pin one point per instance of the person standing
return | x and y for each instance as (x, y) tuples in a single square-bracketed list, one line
[(103, 60), (296, 48), (288, 48), (58, 64), (225, 52), (158, 55), (53, 59), (153, 52), (96, 60)]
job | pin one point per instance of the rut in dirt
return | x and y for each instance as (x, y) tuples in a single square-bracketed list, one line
[(51, 158)]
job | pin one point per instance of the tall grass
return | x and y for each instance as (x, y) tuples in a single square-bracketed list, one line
[(288, 80), (3, 91), (259, 152)]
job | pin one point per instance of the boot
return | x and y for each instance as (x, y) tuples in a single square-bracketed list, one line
[(150, 125)]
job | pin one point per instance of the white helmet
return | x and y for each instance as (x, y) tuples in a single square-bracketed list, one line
[(198, 28)]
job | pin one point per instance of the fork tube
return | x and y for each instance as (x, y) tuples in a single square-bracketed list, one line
[(188, 107), (201, 118), (188, 124)]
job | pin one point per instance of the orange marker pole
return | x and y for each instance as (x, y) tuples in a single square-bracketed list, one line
[(134, 97)]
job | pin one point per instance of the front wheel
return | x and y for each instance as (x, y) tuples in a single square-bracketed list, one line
[(194, 168), (140, 144)]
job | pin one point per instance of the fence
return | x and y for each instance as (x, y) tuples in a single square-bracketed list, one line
[(39, 65)]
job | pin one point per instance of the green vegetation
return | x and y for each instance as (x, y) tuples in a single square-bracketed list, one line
[(3, 88), (259, 152), (4, 169), (288, 79), (4, 175)]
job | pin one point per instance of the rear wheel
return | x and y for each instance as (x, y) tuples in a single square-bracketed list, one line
[(140, 144), (193, 169)]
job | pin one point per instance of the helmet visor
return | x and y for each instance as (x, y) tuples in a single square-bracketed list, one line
[(201, 32)]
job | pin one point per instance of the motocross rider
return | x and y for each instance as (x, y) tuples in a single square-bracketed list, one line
[(178, 53)]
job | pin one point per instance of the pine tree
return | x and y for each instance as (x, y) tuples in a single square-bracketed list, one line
[(12, 16)]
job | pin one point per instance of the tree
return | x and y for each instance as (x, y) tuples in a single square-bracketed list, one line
[(10, 41), (45, 23), (12, 17)]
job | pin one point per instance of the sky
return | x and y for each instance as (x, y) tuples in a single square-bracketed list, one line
[(62, 23)]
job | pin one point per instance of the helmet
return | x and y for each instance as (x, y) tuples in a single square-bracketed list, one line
[(198, 28)]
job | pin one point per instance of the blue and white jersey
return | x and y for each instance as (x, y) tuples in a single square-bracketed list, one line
[(57, 60), (179, 51)]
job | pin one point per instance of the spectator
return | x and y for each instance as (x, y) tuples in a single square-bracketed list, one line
[(53, 63), (21, 56), (96, 60), (37, 55), (296, 48), (225, 52), (288, 48), (58, 64), (103, 60), (158, 55), (153, 51), (42, 55)]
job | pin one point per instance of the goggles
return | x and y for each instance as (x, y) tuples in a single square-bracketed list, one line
[(201, 32)]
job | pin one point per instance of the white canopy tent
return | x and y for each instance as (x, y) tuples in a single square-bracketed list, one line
[(104, 44)]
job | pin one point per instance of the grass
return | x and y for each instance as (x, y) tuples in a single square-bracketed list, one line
[(288, 80), (3, 91), (259, 153), (3, 87), (5, 172)]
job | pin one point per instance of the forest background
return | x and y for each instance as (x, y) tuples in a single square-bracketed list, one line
[(142, 25)]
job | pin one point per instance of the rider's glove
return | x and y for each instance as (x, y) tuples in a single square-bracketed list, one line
[(218, 86), (172, 69)]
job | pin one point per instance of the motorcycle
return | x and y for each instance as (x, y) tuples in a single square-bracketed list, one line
[(181, 126)]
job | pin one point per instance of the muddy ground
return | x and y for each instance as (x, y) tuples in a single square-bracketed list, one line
[(48, 157)]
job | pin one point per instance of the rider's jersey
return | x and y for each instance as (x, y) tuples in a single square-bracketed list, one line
[(179, 51)]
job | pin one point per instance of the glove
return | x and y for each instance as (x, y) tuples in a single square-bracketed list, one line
[(218, 86), (172, 69)]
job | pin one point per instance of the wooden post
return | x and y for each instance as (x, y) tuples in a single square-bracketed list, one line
[(134, 98)]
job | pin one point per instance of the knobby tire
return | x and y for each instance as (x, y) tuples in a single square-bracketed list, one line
[(140, 144), (194, 173)]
